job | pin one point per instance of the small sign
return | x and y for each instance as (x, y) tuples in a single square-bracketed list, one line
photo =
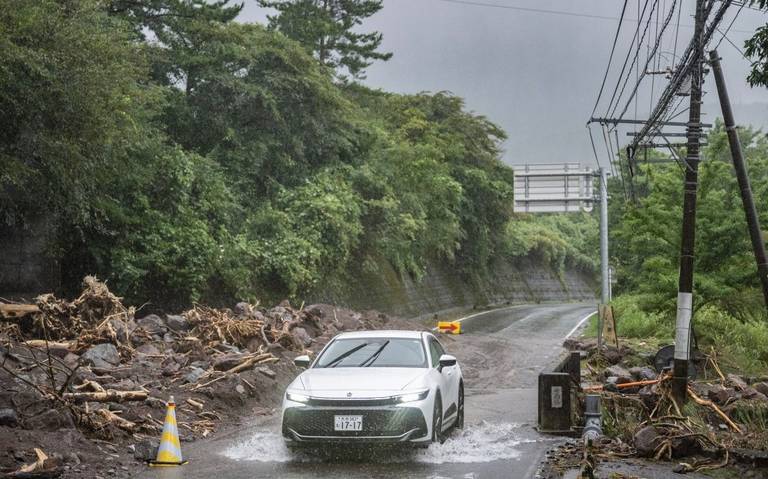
[(449, 327), (609, 325), (556, 393)]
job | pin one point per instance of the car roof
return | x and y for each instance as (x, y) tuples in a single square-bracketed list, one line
[(386, 333)]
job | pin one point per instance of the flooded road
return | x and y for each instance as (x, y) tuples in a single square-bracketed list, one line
[(501, 355)]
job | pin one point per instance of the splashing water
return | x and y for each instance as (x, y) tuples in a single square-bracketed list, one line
[(482, 442)]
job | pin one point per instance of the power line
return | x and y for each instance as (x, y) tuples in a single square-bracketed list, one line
[(610, 58), (629, 52), (551, 12)]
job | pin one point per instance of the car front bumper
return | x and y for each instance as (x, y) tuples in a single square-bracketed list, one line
[(388, 424)]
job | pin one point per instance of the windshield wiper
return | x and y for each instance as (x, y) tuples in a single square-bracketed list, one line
[(373, 357), (344, 355)]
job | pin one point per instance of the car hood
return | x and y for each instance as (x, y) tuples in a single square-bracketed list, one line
[(361, 382)]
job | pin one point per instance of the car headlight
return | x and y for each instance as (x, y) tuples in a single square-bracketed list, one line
[(414, 396), (297, 397)]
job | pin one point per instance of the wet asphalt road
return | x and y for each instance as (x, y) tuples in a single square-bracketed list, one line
[(501, 353)]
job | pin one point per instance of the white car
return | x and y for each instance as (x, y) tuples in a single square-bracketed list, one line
[(375, 387)]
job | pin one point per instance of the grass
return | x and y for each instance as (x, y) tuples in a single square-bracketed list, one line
[(741, 345)]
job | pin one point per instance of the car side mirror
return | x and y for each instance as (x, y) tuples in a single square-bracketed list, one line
[(446, 360), (302, 361)]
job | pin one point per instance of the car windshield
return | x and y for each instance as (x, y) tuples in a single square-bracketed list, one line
[(374, 352)]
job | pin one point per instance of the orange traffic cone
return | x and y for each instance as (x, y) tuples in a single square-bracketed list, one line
[(169, 452)]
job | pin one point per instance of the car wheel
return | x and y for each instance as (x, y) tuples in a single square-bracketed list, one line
[(460, 413), (437, 420)]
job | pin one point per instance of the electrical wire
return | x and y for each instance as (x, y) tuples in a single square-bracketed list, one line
[(629, 53), (610, 58)]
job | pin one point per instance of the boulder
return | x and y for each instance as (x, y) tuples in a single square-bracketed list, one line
[(51, 420), (351, 324), (8, 417), (302, 337), (612, 355), (643, 373), (149, 349), (103, 356), (193, 374), (267, 372), (224, 362), (242, 309), (737, 382), (177, 322), (153, 324), (722, 395), (622, 375), (646, 441), (762, 387), (146, 450)]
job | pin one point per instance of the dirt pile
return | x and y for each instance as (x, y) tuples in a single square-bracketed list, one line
[(86, 381)]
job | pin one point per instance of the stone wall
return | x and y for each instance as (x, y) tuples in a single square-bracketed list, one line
[(442, 289)]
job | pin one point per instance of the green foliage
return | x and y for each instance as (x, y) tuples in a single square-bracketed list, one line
[(186, 157), (756, 48), (328, 30), (649, 231), (71, 104), (558, 239)]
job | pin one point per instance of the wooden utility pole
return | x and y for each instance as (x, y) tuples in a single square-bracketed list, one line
[(753, 221), (688, 240)]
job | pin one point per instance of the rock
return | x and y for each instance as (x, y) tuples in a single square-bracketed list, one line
[(622, 375), (227, 361), (722, 395), (153, 324), (762, 387), (71, 458), (121, 329), (351, 324), (177, 322), (580, 344), (8, 417), (643, 373), (193, 375), (753, 394), (301, 335), (648, 394), (51, 420), (122, 385), (240, 389), (148, 349), (242, 309), (104, 356), (646, 440), (71, 359), (266, 372), (612, 355), (737, 382), (146, 450)]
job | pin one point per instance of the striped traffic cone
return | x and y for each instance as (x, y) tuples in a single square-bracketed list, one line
[(169, 452)]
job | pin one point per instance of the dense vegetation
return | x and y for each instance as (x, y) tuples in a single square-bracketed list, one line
[(645, 236), (184, 156)]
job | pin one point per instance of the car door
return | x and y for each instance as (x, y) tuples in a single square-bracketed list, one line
[(446, 377)]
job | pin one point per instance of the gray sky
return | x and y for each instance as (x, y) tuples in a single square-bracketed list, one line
[(535, 74)]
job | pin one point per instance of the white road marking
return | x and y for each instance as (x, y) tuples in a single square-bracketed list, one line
[(580, 323)]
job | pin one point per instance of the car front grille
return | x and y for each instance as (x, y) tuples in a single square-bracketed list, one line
[(393, 421)]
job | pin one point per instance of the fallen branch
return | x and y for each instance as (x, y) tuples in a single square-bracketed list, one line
[(110, 395), (118, 421), (713, 406)]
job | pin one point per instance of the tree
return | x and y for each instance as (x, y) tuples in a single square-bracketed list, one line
[(757, 50), (327, 29)]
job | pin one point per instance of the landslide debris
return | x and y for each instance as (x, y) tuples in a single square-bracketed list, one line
[(724, 423), (83, 383)]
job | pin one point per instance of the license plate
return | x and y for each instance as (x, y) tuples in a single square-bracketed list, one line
[(347, 423)]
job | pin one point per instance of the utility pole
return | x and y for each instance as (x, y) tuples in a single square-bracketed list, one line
[(605, 296), (753, 221), (688, 241)]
